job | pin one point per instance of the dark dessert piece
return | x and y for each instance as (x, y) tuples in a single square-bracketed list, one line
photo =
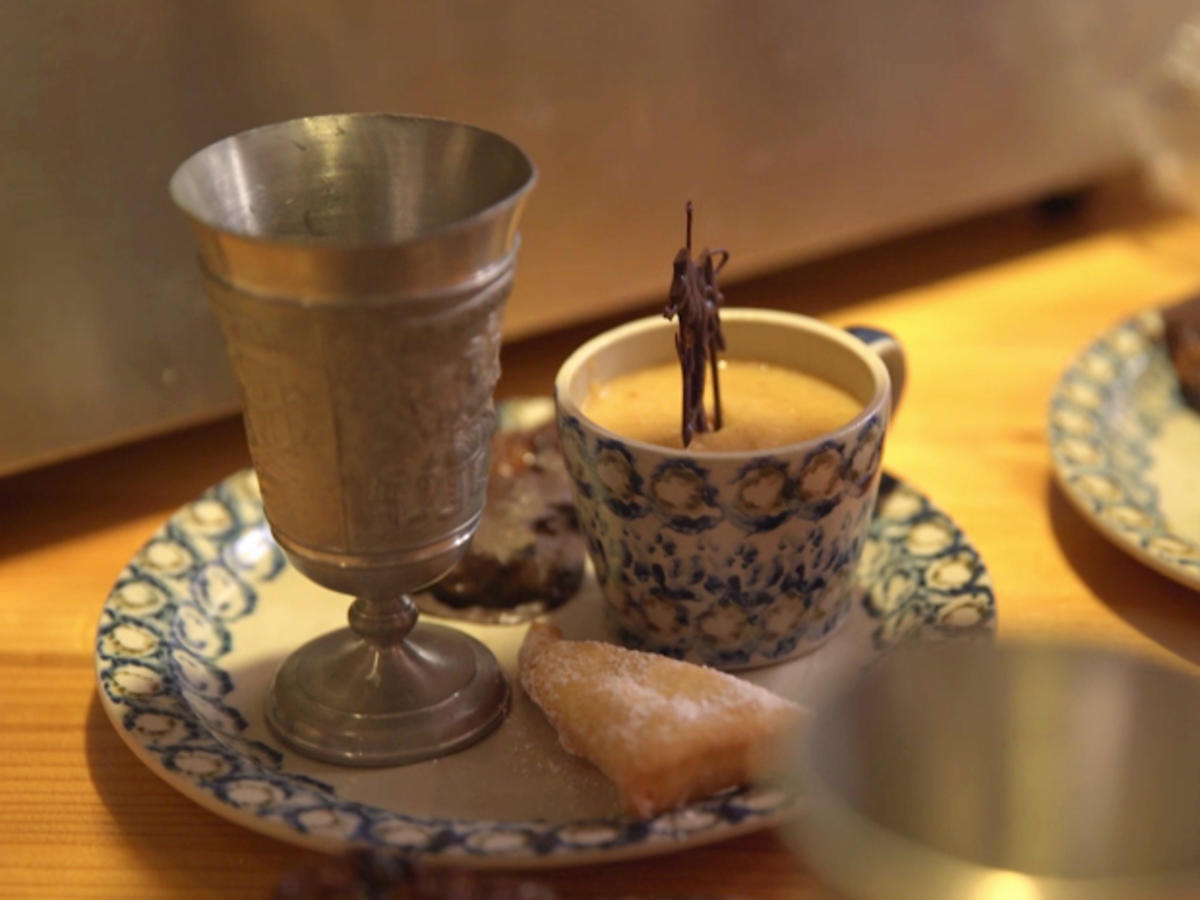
[(1182, 332), (527, 556), (380, 875), (377, 874)]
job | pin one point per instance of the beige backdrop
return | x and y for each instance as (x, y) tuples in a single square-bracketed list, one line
[(797, 127)]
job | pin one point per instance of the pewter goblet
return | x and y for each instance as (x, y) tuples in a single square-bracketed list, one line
[(359, 265)]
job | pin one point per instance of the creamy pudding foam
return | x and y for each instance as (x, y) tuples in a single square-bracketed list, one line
[(764, 405)]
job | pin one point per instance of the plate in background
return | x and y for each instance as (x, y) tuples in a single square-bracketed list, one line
[(1126, 448), (200, 618)]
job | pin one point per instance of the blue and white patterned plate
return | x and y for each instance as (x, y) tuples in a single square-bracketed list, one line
[(203, 614), (1126, 448)]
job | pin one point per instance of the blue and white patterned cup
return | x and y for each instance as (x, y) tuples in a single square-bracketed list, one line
[(732, 559)]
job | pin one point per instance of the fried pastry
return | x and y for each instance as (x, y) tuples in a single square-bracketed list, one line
[(664, 732)]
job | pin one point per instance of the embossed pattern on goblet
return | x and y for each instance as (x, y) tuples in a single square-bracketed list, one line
[(359, 267), (381, 412)]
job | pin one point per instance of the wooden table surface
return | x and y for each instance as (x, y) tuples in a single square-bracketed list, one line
[(990, 311)]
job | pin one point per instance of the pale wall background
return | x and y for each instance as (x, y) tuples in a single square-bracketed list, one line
[(796, 127)]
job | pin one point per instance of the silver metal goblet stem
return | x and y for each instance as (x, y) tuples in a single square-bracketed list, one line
[(359, 267), (371, 688)]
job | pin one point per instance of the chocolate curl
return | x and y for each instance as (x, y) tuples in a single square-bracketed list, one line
[(713, 298), (695, 298)]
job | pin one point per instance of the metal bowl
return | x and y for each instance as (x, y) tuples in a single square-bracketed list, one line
[(1019, 771)]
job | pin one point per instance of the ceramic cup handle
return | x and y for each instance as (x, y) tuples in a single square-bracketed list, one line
[(885, 344)]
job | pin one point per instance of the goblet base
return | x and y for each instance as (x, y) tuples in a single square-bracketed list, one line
[(348, 700)]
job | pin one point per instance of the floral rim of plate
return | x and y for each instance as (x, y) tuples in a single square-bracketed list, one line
[(166, 625), (1101, 468)]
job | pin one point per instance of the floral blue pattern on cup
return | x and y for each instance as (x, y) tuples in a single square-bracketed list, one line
[(736, 558), (725, 561)]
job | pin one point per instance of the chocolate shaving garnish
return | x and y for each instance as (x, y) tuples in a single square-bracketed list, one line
[(696, 299)]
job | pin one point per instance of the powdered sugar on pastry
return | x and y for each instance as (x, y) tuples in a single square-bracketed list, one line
[(664, 731)]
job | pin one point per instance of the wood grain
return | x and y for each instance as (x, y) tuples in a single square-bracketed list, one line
[(990, 311)]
